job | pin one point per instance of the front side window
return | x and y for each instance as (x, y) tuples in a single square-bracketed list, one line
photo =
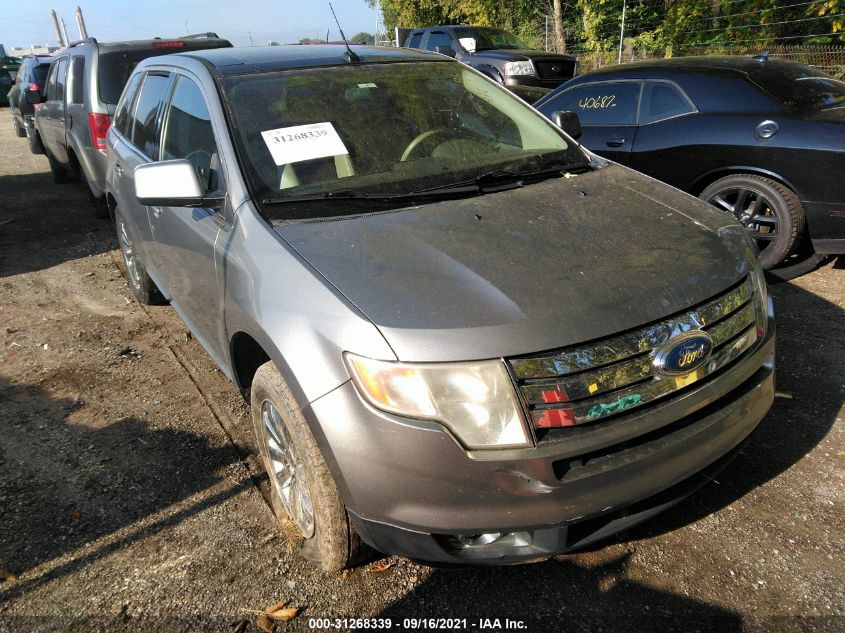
[(607, 103), (663, 100), (145, 121), (187, 129), (381, 130)]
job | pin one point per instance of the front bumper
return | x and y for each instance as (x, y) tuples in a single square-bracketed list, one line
[(411, 489)]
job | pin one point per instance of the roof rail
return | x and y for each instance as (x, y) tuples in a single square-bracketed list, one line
[(196, 36), (90, 40)]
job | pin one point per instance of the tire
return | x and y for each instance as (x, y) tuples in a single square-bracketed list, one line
[(794, 269), (329, 537), (34, 141), (60, 174), (20, 131), (766, 208), (144, 288), (101, 207)]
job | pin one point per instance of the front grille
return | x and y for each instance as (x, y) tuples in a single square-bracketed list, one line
[(579, 385), (558, 69)]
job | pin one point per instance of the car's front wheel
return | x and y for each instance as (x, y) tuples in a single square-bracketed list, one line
[(769, 211), (144, 288), (302, 489)]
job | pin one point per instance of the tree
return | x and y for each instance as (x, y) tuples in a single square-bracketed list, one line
[(363, 38)]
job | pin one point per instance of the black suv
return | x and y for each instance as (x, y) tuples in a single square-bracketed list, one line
[(496, 53), (31, 76), (83, 86)]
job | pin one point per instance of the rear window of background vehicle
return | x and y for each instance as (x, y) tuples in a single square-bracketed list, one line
[(115, 67), (40, 73), (801, 88)]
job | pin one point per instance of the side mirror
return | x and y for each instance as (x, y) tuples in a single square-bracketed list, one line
[(568, 122), (172, 183), (33, 97), (444, 50)]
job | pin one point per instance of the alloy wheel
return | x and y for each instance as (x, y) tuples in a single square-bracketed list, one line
[(287, 470), (129, 257), (753, 210)]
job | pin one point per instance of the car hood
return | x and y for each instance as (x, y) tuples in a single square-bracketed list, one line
[(548, 265), (520, 54)]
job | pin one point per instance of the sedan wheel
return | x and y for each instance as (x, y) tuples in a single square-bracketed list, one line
[(770, 212), (287, 470), (142, 286)]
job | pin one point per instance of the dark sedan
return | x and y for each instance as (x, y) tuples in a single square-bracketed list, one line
[(763, 139)]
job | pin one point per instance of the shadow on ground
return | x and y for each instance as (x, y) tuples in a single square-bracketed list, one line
[(36, 233), (64, 485)]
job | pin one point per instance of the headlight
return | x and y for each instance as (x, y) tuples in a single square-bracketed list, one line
[(758, 275), (519, 68), (475, 400)]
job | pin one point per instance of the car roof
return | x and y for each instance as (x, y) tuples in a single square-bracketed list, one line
[(711, 65), (237, 61)]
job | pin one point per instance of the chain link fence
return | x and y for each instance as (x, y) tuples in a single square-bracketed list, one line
[(827, 58)]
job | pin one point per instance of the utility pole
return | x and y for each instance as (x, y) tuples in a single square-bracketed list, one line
[(64, 32), (251, 43), (622, 31), (59, 39), (80, 24), (187, 32)]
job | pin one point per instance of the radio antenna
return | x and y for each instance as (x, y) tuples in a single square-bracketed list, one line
[(350, 56)]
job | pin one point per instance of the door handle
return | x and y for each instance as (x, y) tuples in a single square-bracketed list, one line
[(616, 142), (118, 169), (157, 212)]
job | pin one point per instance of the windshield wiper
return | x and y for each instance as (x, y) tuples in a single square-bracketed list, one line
[(503, 179)]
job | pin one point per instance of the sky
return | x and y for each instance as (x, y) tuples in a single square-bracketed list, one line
[(283, 21)]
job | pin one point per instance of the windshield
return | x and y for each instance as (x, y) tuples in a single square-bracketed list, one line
[(479, 39), (802, 89), (381, 130)]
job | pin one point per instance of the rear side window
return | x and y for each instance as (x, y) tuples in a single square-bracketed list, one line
[(121, 115), (415, 40), (662, 100), (608, 103), (145, 122), (187, 130), (439, 38), (76, 80)]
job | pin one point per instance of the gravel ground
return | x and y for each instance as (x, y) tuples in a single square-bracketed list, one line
[(131, 499)]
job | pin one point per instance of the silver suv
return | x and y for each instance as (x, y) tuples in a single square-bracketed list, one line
[(465, 339), (83, 85)]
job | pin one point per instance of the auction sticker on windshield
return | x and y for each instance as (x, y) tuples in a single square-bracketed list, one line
[(303, 142)]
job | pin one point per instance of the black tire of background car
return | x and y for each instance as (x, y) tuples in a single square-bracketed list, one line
[(101, 207), (34, 141), (20, 132), (785, 205), (145, 291), (801, 266), (60, 174), (335, 544)]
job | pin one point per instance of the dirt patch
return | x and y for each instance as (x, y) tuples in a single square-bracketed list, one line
[(128, 489)]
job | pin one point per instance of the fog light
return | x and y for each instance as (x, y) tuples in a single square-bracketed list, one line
[(490, 540)]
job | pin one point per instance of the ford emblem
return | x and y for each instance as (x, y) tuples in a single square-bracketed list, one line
[(684, 354)]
